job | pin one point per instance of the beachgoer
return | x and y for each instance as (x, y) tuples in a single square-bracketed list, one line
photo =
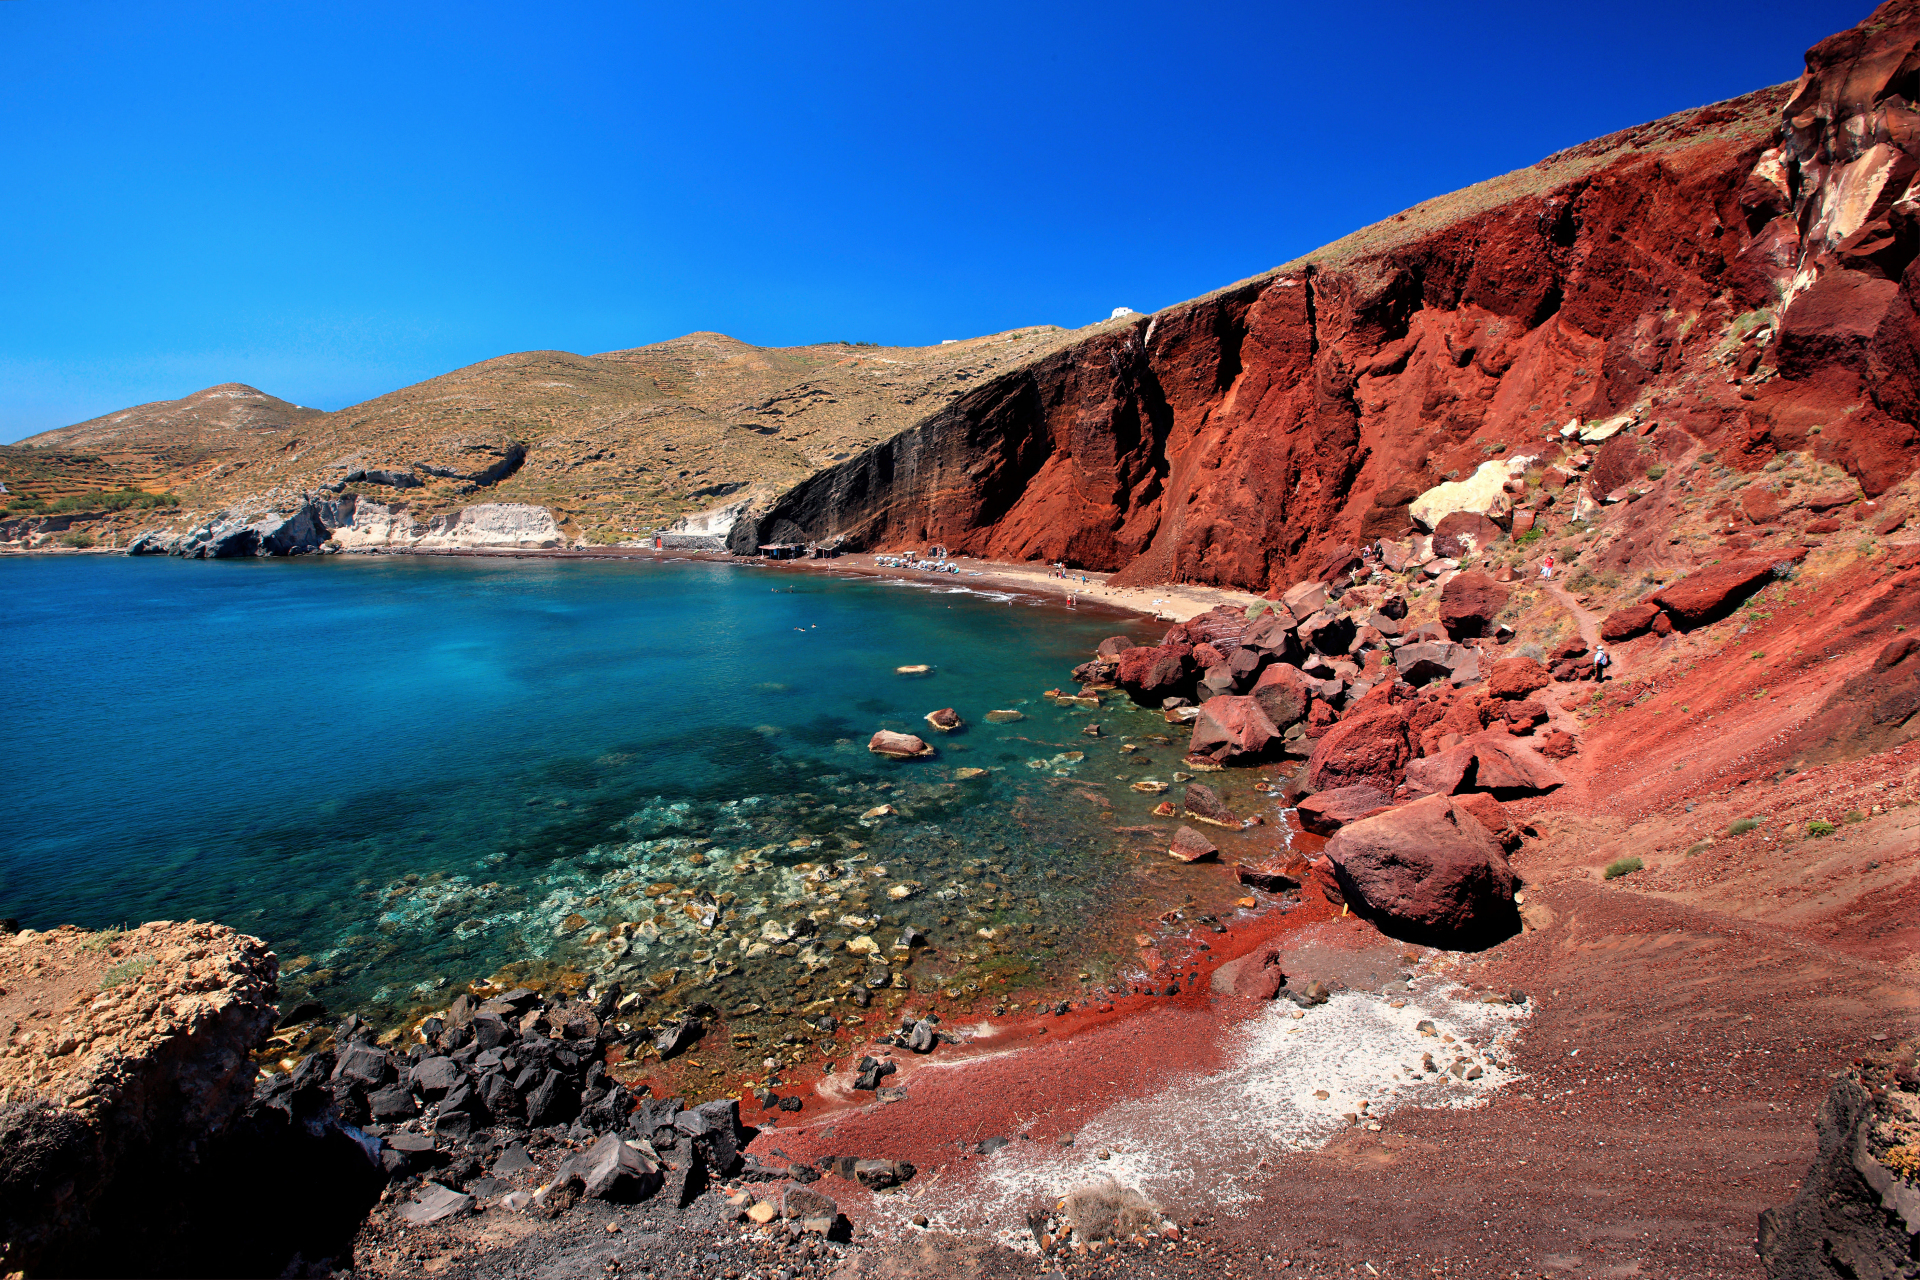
[(1601, 661)]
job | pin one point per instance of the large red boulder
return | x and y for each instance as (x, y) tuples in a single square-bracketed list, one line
[(898, 746), (1440, 774), (1326, 812), (1190, 846), (1469, 604), (1283, 693), (1516, 677), (1708, 594), (1370, 747), (1462, 533), (1427, 872), (1150, 674), (1494, 818), (1231, 727), (1625, 624), (1506, 764)]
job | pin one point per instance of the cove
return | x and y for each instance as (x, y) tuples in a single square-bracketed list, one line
[(405, 772)]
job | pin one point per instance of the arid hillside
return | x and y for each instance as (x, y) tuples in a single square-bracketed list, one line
[(614, 444)]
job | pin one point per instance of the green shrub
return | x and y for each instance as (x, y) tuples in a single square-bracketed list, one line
[(1657, 470), (1531, 536), (1699, 849), (1819, 827), (1623, 867), (1742, 826), (78, 539), (1853, 816), (125, 971)]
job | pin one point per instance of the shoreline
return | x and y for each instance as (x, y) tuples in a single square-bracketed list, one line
[(1171, 603)]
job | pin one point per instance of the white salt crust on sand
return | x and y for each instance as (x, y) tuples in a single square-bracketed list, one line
[(1192, 1144)]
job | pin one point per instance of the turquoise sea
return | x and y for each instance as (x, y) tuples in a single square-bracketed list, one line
[(405, 772)]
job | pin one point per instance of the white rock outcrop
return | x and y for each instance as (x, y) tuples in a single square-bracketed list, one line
[(1483, 492)]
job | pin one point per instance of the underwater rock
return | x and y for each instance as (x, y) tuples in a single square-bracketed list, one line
[(898, 746)]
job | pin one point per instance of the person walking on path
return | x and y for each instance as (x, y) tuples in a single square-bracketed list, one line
[(1546, 567), (1601, 661)]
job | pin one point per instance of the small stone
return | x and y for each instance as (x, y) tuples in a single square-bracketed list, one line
[(919, 1219), (762, 1213)]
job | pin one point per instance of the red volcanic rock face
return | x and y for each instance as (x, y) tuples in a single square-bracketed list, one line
[(1263, 435), (1427, 872)]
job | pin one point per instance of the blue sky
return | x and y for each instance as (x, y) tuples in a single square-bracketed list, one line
[(331, 201)]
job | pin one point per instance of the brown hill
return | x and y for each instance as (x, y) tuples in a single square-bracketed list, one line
[(617, 443)]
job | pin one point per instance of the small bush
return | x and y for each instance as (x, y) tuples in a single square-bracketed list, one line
[(1853, 816), (125, 971), (1819, 827), (1743, 826), (1699, 849), (1530, 537), (78, 539), (102, 940), (1657, 470), (1623, 867)]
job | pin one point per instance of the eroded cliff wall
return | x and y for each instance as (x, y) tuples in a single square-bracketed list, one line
[(1739, 275)]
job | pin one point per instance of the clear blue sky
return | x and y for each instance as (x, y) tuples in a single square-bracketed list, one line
[(332, 200)]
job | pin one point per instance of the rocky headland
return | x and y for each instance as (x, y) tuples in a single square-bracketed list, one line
[(1552, 763)]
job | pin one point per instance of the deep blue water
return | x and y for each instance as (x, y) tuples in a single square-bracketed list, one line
[(403, 771)]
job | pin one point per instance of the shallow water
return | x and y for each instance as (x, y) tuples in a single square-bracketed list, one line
[(405, 772)]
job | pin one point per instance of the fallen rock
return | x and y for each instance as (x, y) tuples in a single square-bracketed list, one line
[(1439, 774), (1367, 748), (1505, 764), (1708, 594), (1203, 804), (898, 746), (1326, 812), (1114, 646), (946, 720), (1460, 534), (1151, 674), (878, 1175), (679, 1036), (1560, 745), (434, 1203), (1190, 846), (1469, 603), (612, 1169), (1625, 624), (1304, 599), (1427, 872), (1265, 878), (1259, 976), (1231, 727), (1489, 813), (1516, 677)]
